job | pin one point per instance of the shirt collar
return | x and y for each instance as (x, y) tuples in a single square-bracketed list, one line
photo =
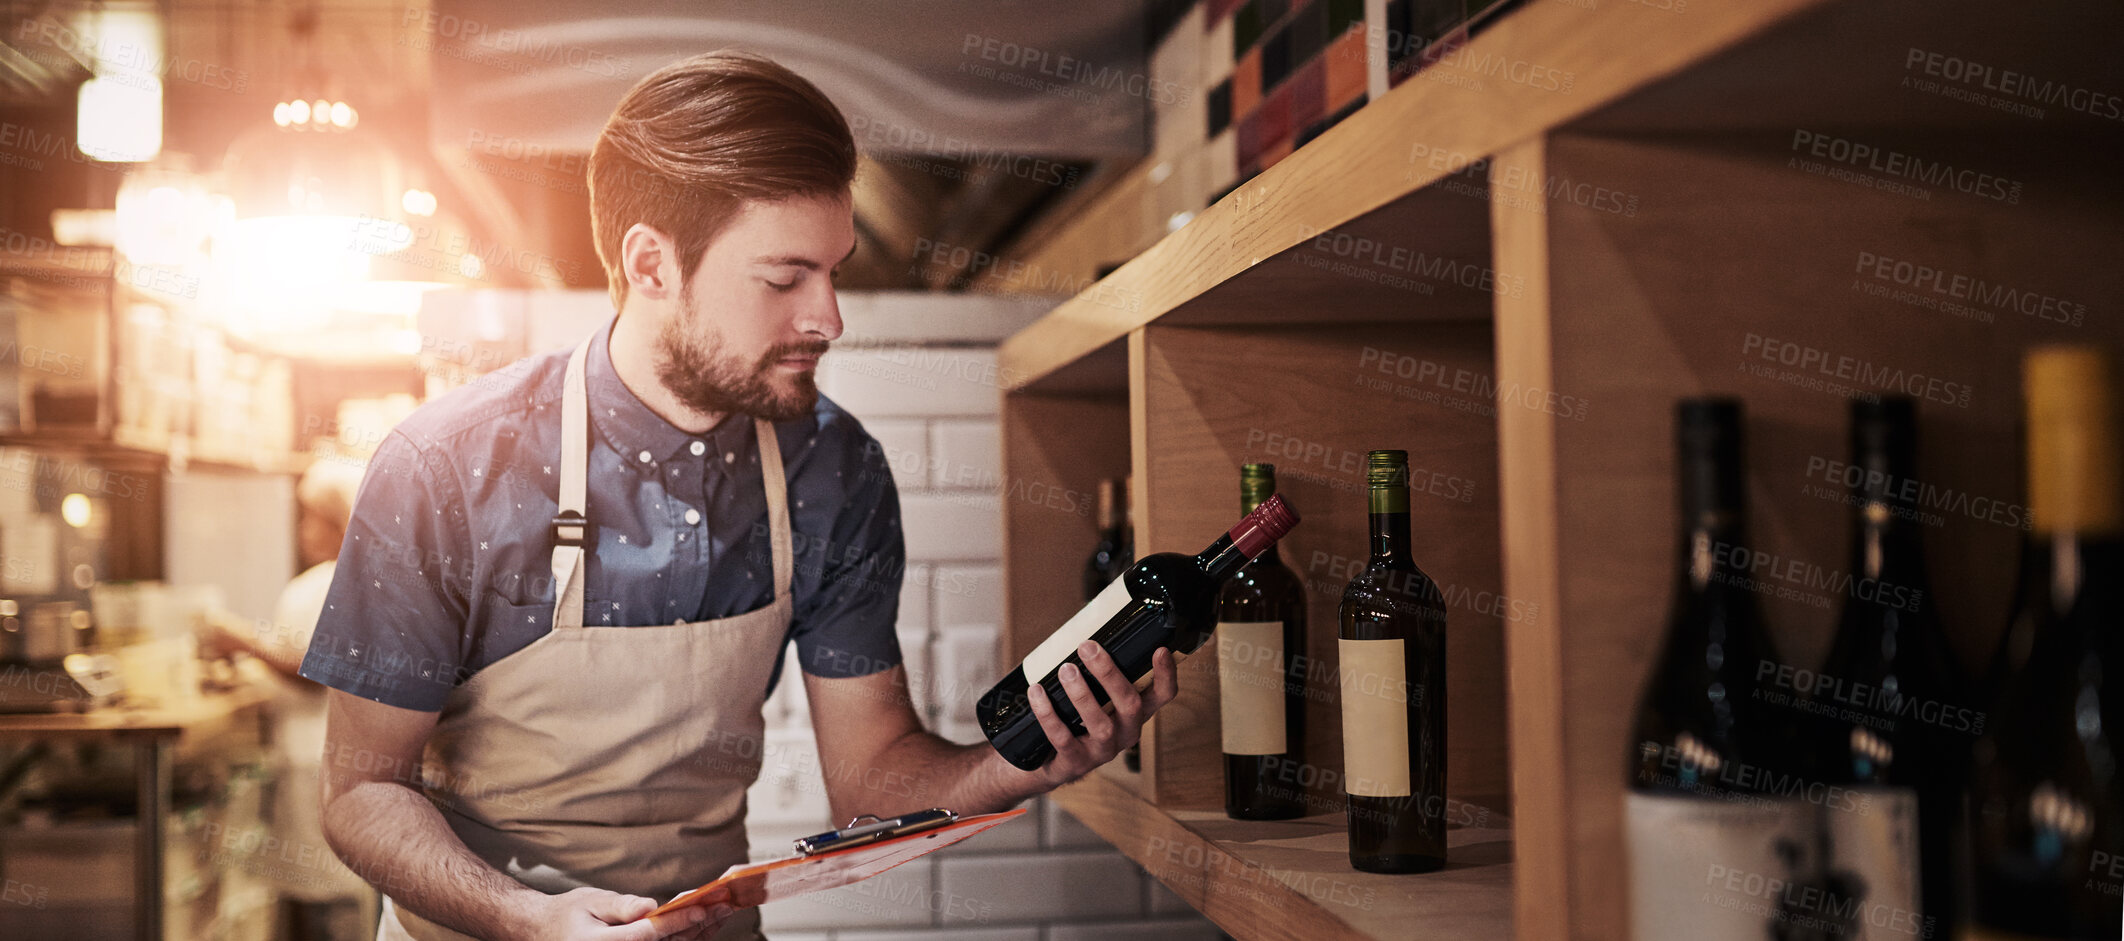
[(631, 429)]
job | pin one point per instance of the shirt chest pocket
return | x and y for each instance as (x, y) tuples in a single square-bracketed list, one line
[(532, 595)]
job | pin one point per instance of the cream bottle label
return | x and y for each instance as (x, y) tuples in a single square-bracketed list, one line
[(1048, 657), (1375, 718), (1250, 686), (1710, 869)]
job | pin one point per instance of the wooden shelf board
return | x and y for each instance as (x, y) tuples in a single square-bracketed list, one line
[(1103, 371), (1291, 879), (1465, 106), (1956, 67)]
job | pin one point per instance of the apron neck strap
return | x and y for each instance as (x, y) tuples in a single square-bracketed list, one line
[(777, 505), (571, 519)]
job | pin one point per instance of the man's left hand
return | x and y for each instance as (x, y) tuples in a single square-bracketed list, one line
[(1104, 735), (711, 921)]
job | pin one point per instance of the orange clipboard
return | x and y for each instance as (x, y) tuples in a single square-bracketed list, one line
[(754, 884)]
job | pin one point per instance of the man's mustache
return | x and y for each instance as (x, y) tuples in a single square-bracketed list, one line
[(780, 351)]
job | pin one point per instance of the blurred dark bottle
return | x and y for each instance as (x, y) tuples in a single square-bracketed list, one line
[(1896, 711), (1115, 551), (1714, 748), (2046, 802)]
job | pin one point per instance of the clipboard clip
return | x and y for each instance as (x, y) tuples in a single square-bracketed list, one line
[(858, 833)]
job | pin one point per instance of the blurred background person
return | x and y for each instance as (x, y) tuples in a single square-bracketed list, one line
[(320, 898)]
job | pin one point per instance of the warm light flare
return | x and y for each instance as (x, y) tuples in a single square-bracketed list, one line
[(120, 120), (76, 510)]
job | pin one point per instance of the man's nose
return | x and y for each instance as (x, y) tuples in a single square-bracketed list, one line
[(823, 319)]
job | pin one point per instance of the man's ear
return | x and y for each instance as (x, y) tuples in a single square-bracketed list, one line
[(648, 260)]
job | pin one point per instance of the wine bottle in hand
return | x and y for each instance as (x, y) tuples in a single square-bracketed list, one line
[(1392, 647), (1261, 676), (1165, 600)]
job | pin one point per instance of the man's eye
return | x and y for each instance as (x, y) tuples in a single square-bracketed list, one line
[(782, 286)]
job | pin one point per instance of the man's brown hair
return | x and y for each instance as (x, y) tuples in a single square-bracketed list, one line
[(697, 138)]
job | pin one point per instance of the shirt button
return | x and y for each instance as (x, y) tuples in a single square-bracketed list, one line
[(729, 457), (698, 449), (644, 456), (692, 517)]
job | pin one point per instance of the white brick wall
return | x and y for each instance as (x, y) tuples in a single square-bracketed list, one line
[(1043, 877)]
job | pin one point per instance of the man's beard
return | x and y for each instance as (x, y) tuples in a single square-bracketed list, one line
[(713, 384)]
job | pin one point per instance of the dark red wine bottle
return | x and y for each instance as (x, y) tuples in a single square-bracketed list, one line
[(1165, 600)]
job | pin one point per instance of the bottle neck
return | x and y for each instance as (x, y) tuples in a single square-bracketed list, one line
[(2067, 563), (1250, 499), (1885, 547), (1713, 552), (1713, 532), (1391, 543), (1222, 558)]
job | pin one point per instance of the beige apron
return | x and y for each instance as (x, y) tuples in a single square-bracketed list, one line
[(611, 757)]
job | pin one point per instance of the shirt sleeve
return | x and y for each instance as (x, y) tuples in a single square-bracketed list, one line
[(845, 628), (394, 621)]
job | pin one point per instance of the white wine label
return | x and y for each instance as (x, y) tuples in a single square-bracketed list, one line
[(1873, 833), (1757, 867), (1047, 657), (1375, 718), (1250, 686)]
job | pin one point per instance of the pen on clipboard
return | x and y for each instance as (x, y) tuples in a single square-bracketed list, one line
[(858, 833)]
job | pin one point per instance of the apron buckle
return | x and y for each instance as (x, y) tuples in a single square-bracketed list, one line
[(569, 528)]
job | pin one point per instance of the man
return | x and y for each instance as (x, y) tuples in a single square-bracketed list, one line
[(567, 588)]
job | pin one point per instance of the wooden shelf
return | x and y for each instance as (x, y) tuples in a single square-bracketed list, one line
[(1291, 879), (1371, 159), (1714, 232)]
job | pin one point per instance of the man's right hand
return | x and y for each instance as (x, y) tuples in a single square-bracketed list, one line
[(588, 914)]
